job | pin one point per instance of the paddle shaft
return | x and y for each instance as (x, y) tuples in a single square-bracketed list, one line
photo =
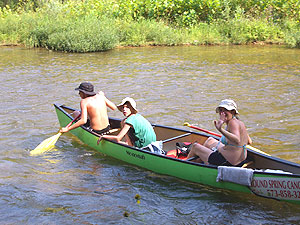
[(69, 124), (206, 131)]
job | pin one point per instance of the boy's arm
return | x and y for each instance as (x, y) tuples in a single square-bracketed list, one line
[(82, 121)]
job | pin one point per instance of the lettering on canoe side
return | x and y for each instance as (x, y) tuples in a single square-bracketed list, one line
[(279, 188), (140, 156)]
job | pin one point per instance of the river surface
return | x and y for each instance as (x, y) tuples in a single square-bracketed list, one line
[(72, 184)]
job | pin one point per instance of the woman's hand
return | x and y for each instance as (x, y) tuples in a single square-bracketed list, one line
[(219, 124), (223, 117), (221, 121)]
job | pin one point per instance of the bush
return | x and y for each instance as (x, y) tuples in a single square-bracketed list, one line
[(292, 33), (99, 25), (84, 35)]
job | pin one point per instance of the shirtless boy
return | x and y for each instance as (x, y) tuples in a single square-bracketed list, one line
[(93, 107)]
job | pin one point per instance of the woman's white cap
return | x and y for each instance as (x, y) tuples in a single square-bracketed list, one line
[(227, 104)]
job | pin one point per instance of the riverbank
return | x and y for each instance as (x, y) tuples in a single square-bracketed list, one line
[(85, 27)]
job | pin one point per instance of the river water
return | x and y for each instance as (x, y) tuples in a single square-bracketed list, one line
[(72, 184)]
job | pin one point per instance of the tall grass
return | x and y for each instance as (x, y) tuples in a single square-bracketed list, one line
[(148, 32), (292, 34), (245, 31), (85, 34), (100, 25)]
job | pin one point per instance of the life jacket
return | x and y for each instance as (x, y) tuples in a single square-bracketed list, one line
[(181, 152)]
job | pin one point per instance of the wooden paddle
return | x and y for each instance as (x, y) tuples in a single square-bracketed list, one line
[(201, 129), (218, 135), (49, 142)]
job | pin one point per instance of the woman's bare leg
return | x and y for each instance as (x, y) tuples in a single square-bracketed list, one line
[(210, 142), (201, 151)]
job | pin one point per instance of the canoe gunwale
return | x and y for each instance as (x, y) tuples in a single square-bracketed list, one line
[(276, 174), (282, 161)]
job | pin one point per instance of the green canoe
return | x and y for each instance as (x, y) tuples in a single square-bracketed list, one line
[(269, 176)]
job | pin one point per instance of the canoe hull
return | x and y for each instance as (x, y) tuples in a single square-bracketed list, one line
[(263, 184)]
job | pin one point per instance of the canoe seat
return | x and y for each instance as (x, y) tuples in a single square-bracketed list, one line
[(108, 132), (113, 130)]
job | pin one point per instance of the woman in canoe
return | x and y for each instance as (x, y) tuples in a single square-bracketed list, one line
[(136, 130), (231, 149)]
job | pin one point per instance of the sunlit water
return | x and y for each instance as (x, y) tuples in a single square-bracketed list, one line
[(73, 184)]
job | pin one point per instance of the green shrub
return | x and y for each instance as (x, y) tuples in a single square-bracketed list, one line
[(99, 25), (244, 31), (9, 29), (87, 34), (292, 33), (147, 32), (204, 34)]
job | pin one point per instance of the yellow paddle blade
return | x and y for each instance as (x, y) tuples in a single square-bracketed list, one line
[(45, 145), (257, 150)]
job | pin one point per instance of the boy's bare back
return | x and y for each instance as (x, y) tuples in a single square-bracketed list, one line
[(97, 111)]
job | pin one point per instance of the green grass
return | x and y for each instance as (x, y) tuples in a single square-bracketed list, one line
[(95, 25)]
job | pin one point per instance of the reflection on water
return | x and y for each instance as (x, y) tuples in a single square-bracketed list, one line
[(171, 85)]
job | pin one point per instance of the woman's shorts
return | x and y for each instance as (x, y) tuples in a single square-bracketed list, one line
[(216, 158)]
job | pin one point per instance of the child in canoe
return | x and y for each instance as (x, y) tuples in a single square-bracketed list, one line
[(136, 130)]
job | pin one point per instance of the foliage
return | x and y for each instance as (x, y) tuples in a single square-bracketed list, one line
[(98, 25), (146, 32), (86, 34), (9, 3), (245, 31), (292, 35), (187, 12)]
